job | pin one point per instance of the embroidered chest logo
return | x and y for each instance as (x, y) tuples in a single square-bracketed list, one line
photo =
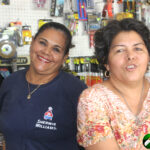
[(48, 115), (46, 121)]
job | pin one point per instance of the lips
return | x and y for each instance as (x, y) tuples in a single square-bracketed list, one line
[(45, 60), (131, 67)]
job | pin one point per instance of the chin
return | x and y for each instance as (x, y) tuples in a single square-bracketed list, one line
[(135, 79)]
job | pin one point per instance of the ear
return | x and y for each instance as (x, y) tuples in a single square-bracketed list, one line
[(32, 39), (65, 57), (107, 66), (31, 44)]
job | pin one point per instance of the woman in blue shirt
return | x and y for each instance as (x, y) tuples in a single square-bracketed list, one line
[(38, 105)]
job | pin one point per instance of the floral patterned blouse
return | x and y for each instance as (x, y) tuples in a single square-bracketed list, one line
[(102, 115)]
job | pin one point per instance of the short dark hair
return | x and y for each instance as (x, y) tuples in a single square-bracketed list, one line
[(103, 37), (57, 26)]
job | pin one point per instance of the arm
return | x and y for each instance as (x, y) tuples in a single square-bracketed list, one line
[(94, 128), (1, 79), (109, 144), (2, 89)]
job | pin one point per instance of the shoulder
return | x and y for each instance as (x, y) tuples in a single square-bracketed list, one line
[(11, 82), (95, 90), (68, 76), (97, 95), (1, 79), (17, 73), (14, 77), (71, 86), (70, 80), (148, 78)]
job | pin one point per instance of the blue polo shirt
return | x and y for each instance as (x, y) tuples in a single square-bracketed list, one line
[(45, 122)]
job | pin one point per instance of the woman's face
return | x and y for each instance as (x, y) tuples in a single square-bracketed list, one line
[(128, 57), (47, 52)]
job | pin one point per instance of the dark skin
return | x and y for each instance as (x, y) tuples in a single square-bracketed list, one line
[(47, 56)]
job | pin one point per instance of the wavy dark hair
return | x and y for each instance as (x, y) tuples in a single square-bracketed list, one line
[(103, 37), (60, 27)]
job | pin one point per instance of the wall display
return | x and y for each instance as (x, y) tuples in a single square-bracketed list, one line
[(130, 6), (5, 72), (59, 8), (68, 12), (22, 62), (56, 8), (145, 17), (82, 13), (26, 35), (4, 2), (43, 21), (17, 35), (12, 65), (86, 69), (40, 4), (70, 6), (7, 49), (12, 34), (107, 10), (122, 15), (90, 4), (72, 22), (119, 1), (94, 23), (52, 8), (2, 142)]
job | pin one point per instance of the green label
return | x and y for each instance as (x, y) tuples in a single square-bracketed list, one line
[(146, 141)]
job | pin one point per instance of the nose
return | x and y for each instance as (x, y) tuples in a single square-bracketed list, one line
[(47, 51), (130, 55)]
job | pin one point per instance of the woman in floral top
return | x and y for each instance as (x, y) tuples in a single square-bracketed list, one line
[(116, 114)]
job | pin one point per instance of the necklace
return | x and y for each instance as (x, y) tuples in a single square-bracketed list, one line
[(140, 101), (31, 92), (38, 86), (137, 120)]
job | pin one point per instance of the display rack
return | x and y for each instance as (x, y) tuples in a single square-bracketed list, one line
[(23, 10)]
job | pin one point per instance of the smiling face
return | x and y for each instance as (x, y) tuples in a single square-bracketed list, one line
[(47, 52), (128, 57)]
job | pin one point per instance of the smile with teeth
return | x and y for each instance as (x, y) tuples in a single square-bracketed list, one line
[(43, 59), (131, 67)]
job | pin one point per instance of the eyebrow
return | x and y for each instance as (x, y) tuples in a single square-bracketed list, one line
[(58, 46), (113, 46), (47, 42), (139, 44), (43, 39)]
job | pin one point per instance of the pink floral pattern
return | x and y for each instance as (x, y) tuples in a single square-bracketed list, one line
[(102, 115)]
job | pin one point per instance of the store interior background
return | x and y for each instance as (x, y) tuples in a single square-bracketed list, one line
[(24, 11), (27, 13)]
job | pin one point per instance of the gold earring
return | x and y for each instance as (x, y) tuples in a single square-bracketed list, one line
[(106, 74)]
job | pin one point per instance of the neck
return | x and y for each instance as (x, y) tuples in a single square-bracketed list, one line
[(39, 79), (132, 94), (128, 86)]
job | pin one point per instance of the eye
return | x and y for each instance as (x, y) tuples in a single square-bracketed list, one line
[(120, 50), (56, 49), (138, 49), (43, 43)]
